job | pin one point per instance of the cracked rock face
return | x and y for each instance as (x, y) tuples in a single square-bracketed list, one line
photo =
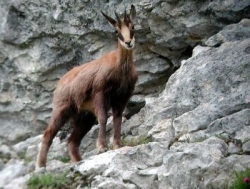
[(40, 41), (199, 124), (201, 120)]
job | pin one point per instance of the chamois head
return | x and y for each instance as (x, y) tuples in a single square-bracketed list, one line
[(124, 27)]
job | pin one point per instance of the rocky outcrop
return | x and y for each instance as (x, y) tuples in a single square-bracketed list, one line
[(198, 125), (201, 119), (40, 41)]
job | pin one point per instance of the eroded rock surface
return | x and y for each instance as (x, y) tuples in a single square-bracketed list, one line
[(198, 126), (40, 41), (202, 117)]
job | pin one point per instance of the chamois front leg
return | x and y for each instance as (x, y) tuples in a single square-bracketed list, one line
[(117, 120), (101, 113)]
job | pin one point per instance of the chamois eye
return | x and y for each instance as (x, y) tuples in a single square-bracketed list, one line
[(132, 28)]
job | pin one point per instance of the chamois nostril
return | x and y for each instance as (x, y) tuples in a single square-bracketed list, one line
[(128, 43)]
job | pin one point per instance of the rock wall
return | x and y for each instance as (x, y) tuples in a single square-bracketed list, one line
[(198, 124), (41, 40)]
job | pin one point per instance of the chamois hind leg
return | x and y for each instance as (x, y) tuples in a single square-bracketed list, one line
[(82, 123), (60, 116), (101, 113)]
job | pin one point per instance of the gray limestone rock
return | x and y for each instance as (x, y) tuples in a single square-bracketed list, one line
[(12, 170), (233, 32), (199, 165), (199, 123), (40, 41), (113, 164)]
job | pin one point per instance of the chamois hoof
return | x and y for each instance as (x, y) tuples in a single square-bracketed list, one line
[(117, 146), (102, 150), (40, 170)]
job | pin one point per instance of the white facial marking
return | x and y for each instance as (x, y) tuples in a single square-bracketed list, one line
[(128, 46), (128, 43)]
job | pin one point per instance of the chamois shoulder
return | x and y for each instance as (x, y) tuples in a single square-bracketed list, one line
[(104, 63)]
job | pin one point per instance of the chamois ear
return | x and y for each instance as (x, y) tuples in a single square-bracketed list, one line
[(132, 12), (111, 20)]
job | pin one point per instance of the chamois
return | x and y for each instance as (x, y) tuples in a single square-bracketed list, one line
[(86, 93)]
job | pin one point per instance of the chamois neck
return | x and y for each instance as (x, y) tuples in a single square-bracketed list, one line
[(124, 55)]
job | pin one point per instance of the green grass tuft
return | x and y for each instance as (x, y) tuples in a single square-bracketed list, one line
[(22, 155), (136, 141), (238, 180), (48, 180), (64, 159)]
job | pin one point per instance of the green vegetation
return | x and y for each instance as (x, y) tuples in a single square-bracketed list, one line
[(5, 157), (133, 141), (49, 180), (23, 156), (241, 180), (136, 141), (66, 180), (64, 159)]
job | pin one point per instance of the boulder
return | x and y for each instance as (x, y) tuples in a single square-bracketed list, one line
[(112, 168), (12, 170), (200, 165), (205, 164)]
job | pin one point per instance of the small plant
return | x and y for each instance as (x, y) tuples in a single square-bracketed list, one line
[(64, 159), (241, 180), (23, 156), (48, 180), (136, 141)]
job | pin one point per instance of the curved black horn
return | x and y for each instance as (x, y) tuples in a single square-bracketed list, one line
[(118, 18), (111, 20), (125, 15), (132, 12)]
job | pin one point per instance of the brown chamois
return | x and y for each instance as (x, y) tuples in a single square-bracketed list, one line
[(87, 92)]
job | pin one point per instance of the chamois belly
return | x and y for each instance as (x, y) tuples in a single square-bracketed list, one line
[(87, 106), (120, 94)]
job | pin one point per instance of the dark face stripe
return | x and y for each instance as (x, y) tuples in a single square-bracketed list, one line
[(132, 32), (120, 37)]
